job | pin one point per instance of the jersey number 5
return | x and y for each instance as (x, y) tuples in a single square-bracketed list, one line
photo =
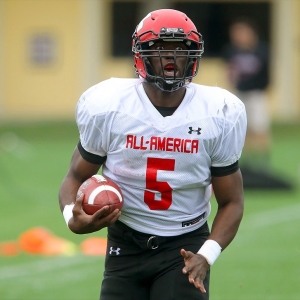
[(153, 166)]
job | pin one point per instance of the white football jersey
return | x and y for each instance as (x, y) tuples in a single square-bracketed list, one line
[(162, 164)]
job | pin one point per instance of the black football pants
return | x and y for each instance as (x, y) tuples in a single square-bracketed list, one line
[(141, 267)]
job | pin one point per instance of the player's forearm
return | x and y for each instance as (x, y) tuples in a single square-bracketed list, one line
[(78, 172), (226, 223), (68, 191)]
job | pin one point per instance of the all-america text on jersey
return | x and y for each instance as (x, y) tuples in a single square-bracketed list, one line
[(156, 143)]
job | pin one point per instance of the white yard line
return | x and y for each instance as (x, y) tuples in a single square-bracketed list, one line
[(44, 265), (273, 217)]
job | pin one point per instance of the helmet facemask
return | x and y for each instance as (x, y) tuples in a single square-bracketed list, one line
[(143, 55)]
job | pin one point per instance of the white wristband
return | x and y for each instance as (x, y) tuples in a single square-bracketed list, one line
[(210, 250), (68, 213)]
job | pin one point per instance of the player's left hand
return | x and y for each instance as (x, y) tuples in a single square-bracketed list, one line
[(196, 267)]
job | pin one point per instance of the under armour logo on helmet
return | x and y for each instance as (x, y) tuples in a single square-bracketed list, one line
[(116, 251), (191, 130)]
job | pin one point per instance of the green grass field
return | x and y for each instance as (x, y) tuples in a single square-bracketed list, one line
[(262, 263)]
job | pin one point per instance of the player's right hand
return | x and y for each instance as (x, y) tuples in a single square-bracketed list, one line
[(82, 223)]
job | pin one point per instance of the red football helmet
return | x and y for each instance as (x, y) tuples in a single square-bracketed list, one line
[(166, 25)]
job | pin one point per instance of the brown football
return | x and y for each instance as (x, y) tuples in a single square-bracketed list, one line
[(100, 191)]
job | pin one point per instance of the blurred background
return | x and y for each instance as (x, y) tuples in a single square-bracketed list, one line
[(52, 51)]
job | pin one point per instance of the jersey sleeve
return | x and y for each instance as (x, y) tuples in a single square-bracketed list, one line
[(224, 171), (91, 158), (233, 125), (90, 125)]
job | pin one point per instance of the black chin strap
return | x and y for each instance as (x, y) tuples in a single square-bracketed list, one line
[(169, 87)]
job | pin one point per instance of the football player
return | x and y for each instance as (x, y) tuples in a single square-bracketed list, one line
[(167, 143)]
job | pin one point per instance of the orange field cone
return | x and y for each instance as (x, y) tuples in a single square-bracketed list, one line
[(10, 248), (33, 240), (39, 240), (94, 246)]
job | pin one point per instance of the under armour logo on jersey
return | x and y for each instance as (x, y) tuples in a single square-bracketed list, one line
[(116, 251), (191, 130)]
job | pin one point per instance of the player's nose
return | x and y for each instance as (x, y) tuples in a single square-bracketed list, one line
[(169, 55)]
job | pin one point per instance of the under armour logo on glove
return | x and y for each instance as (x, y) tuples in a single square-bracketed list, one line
[(116, 251), (191, 130)]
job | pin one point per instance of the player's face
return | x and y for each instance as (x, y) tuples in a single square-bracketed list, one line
[(169, 59)]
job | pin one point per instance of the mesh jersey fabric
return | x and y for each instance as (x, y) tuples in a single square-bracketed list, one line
[(162, 164)]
